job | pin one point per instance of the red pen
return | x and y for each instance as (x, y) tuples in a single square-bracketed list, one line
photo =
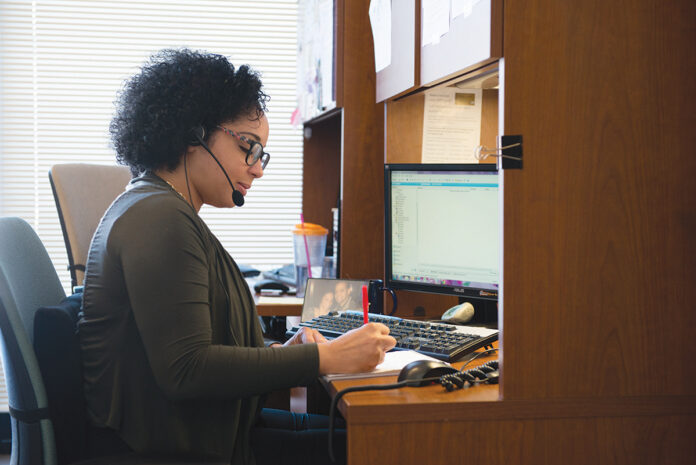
[(366, 304)]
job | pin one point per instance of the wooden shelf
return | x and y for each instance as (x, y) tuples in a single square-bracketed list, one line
[(344, 154)]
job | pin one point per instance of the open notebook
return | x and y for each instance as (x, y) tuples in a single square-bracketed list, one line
[(393, 362)]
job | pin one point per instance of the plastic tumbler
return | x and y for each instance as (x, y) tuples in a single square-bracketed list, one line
[(309, 243)]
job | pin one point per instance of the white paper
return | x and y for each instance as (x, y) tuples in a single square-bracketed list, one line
[(326, 55), (281, 300), (393, 362), (463, 7), (435, 19), (397, 359), (451, 125), (381, 20)]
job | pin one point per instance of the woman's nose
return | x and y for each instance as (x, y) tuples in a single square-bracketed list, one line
[(256, 169)]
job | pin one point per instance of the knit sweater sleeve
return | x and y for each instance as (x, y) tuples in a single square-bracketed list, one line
[(163, 257)]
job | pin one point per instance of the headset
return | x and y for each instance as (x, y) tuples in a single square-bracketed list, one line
[(198, 136)]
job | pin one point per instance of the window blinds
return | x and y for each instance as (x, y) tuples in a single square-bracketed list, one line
[(62, 64)]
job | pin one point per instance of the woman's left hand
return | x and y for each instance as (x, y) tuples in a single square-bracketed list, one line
[(305, 336)]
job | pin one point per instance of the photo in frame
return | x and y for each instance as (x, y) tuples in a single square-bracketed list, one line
[(326, 295)]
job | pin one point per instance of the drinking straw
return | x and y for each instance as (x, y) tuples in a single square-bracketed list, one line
[(306, 247)]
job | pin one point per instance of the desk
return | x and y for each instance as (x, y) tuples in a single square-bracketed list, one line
[(390, 426), (278, 306), (430, 426), (285, 305)]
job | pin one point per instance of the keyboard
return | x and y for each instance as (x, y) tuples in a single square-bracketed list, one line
[(442, 341)]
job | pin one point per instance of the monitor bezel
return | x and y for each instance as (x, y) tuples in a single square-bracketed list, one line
[(468, 293)]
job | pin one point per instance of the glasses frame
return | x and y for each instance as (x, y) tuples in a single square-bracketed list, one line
[(255, 150)]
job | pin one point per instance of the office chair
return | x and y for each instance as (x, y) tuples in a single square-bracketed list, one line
[(82, 193), (29, 286), (27, 281)]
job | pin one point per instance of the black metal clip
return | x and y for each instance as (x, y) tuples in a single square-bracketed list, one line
[(511, 152)]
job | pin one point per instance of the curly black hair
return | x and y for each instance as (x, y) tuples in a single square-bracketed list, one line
[(176, 91)]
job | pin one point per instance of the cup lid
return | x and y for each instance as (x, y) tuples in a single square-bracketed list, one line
[(310, 229)]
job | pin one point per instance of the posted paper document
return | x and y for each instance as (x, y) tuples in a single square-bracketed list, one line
[(451, 125)]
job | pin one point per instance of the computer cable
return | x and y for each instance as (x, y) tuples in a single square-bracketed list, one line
[(341, 393), (477, 355), (483, 374), (410, 383), (371, 387)]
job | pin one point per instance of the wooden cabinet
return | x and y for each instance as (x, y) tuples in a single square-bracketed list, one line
[(404, 144), (599, 258), (599, 249), (474, 39), (599, 255), (467, 54), (344, 150), (344, 145)]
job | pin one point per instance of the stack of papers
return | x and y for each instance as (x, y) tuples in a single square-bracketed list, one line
[(285, 300), (393, 363)]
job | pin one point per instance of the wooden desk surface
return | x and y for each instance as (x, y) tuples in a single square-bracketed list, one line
[(286, 305), (429, 425), (409, 403), (278, 306)]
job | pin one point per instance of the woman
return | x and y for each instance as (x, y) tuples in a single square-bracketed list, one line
[(325, 305), (173, 356)]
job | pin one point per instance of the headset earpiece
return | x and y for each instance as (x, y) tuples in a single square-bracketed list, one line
[(197, 135)]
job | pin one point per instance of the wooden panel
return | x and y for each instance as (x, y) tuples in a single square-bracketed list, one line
[(431, 425), (362, 189), (404, 129), (483, 402), (478, 403), (590, 441), (419, 305), (599, 249), (321, 172), (279, 309)]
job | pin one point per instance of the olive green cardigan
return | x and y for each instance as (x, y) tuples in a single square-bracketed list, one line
[(173, 354)]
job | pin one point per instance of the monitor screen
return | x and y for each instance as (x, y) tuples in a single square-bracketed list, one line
[(441, 227)]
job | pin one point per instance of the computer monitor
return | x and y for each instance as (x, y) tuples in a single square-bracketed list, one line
[(441, 227)]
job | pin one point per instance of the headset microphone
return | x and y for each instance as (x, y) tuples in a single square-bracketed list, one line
[(198, 134)]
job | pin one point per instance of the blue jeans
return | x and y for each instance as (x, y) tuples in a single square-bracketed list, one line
[(285, 438)]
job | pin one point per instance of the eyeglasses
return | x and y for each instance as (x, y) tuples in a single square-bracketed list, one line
[(255, 151)]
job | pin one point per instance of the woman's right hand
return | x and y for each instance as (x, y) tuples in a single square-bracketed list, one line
[(356, 351)]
